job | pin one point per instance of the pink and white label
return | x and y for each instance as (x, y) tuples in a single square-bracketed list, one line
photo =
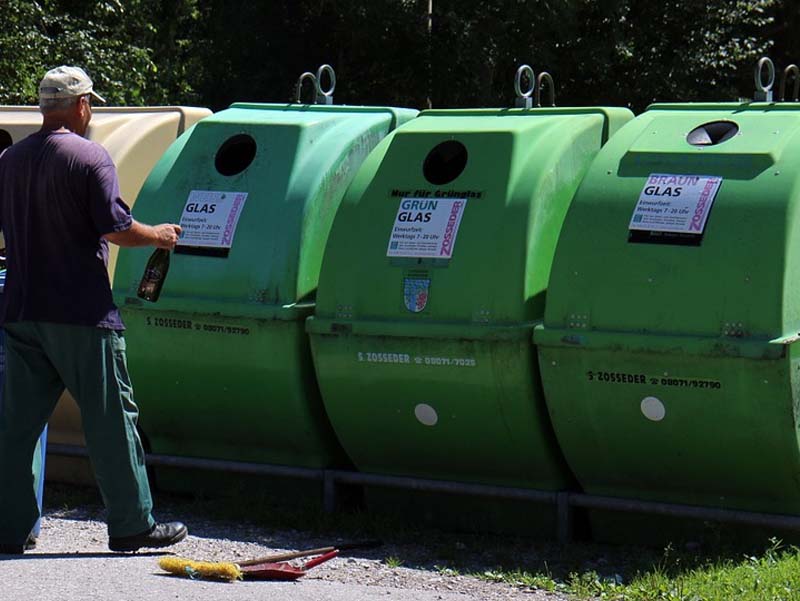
[(675, 203), (209, 218), (426, 227)]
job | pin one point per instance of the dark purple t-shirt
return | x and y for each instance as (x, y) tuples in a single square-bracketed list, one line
[(59, 195)]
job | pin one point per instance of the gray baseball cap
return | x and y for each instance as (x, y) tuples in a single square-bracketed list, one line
[(67, 82)]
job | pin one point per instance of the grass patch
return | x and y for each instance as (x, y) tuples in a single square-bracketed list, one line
[(771, 575), (393, 561), (521, 578)]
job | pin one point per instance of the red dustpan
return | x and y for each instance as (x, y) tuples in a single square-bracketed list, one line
[(283, 570)]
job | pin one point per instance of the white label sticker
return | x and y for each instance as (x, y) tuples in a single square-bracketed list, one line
[(209, 218), (426, 415), (675, 203), (426, 227), (653, 409)]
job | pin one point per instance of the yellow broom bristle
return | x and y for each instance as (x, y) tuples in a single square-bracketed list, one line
[(200, 569)]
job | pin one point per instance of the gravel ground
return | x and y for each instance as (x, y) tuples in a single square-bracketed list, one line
[(72, 562)]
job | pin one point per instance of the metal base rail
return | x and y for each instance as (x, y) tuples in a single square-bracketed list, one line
[(564, 501)]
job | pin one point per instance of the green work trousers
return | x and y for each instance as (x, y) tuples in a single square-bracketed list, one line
[(41, 360)]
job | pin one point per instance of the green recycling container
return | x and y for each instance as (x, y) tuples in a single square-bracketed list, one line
[(668, 350), (221, 364), (433, 278)]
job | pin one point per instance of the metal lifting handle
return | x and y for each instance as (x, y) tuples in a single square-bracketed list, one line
[(325, 96), (303, 77), (320, 96), (764, 91), (523, 99), (544, 76), (791, 70)]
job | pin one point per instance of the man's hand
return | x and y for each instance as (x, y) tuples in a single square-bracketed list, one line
[(167, 235), (164, 235)]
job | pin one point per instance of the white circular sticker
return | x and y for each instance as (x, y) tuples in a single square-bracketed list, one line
[(653, 409), (426, 414)]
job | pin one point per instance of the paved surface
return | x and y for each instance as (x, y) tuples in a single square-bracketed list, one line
[(72, 563), (98, 576)]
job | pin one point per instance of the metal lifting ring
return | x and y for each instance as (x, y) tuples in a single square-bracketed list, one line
[(524, 69), (303, 77), (544, 76), (791, 70), (318, 81), (760, 87)]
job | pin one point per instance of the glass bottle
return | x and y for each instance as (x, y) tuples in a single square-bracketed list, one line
[(154, 275)]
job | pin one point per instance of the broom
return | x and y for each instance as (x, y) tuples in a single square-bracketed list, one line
[(226, 570)]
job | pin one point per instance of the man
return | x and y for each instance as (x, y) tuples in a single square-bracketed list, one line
[(59, 205)]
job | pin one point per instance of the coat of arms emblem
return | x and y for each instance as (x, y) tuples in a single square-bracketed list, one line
[(415, 293)]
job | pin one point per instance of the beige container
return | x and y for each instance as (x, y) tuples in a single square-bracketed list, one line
[(135, 137)]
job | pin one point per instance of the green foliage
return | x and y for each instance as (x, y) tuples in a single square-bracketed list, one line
[(615, 52), (23, 47), (608, 52), (259, 49), (134, 51), (785, 30)]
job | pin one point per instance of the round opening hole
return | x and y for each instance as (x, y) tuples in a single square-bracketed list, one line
[(235, 155), (445, 162), (714, 132), (5, 140)]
